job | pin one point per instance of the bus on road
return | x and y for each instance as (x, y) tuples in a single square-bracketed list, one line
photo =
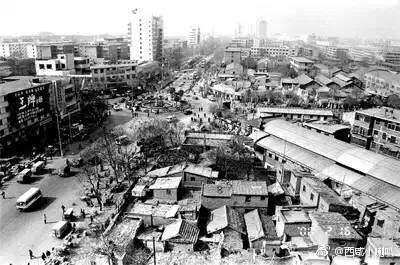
[(28, 198)]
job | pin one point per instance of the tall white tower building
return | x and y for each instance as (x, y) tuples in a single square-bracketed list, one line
[(146, 36), (261, 29), (194, 36)]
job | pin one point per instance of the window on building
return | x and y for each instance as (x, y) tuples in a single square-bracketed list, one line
[(270, 155), (393, 139), (248, 198), (168, 191), (48, 66), (276, 158), (384, 136), (192, 179), (380, 223), (41, 66), (63, 65), (262, 198), (311, 196), (375, 132), (304, 188)]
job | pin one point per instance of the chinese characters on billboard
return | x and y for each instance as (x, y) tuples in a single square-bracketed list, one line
[(29, 104)]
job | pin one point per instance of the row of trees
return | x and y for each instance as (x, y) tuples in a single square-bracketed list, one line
[(154, 138)]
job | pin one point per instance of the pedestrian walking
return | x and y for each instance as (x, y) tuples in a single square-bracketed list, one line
[(48, 254), (63, 208), (45, 218), (43, 256), (3, 194), (30, 254)]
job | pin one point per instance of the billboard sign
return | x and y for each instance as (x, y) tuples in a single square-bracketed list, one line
[(29, 104)]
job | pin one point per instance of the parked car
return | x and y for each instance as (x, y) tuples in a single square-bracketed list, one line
[(122, 140), (117, 107), (188, 112), (172, 118)]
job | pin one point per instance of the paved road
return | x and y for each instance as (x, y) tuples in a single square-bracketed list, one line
[(21, 231)]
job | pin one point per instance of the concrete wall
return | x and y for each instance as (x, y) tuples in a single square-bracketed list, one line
[(266, 247), (163, 194), (255, 201), (157, 220), (212, 203), (308, 196), (192, 180)]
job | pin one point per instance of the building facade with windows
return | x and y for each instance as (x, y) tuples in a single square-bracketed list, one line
[(146, 36), (18, 50), (382, 82), (108, 76), (25, 114), (194, 36), (378, 130), (63, 65), (301, 64), (232, 55)]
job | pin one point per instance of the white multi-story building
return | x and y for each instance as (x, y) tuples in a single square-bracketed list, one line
[(18, 49), (194, 36), (146, 37), (62, 65), (360, 54), (382, 82), (261, 29), (275, 51)]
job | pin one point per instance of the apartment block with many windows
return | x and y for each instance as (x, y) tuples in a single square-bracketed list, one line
[(378, 130)]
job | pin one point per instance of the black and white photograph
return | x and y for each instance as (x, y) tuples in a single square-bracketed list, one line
[(185, 132)]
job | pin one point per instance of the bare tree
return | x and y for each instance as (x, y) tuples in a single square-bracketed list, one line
[(90, 174)]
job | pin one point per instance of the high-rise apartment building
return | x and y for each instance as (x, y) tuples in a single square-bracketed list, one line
[(238, 30), (194, 36), (261, 29), (146, 37), (18, 50)]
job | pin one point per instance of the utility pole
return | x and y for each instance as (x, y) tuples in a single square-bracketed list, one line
[(154, 251), (69, 125), (59, 134), (57, 113)]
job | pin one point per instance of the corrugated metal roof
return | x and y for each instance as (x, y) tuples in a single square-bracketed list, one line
[(300, 147), (259, 225), (166, 183), (242, 187), (223, 217), (181, 231), (217, 190), (336, 224), (160, 210), (280, 110), (379, 166)]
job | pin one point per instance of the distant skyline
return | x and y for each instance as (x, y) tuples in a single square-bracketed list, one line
[(342, 18)]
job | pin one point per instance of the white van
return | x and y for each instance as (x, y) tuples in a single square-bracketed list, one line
[(28, 198), (61, 228), (38, 167), (24, 175), (172, 118)]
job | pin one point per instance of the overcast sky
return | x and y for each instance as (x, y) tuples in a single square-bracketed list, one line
[(343, 18)]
